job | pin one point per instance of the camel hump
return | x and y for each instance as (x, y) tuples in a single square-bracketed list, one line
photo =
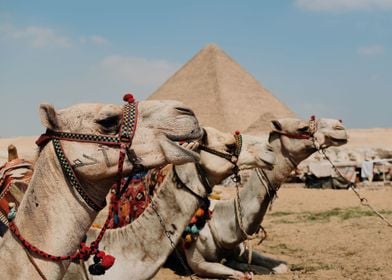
[(12, 152)]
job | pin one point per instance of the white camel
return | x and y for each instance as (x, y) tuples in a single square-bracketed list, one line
[(142, 247), (222, 238), (52, 215)]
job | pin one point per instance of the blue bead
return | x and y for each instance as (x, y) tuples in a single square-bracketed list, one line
[(194, 229)]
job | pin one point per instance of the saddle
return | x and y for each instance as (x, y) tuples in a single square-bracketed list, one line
[(138, 195), (15, 176)]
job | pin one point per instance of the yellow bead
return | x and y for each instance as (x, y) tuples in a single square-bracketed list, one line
[(188, 238)]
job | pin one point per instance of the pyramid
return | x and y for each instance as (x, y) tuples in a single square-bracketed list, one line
[(222, 94)]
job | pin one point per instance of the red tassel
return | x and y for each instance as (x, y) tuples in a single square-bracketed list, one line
[(107, 261), (129, 98), (237, 132), (312, 118)]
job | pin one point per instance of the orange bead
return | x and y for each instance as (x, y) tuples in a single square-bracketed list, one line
[(199, 212)]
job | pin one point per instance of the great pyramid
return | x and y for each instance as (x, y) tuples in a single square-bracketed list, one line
[(222, 94)]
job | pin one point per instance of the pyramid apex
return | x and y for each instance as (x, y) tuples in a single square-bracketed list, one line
[(212, 47)]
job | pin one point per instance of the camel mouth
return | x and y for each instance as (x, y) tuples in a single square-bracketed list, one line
[(268, 157), (184, 152), (195, 134), (268, 161), (191, 153), (338, 139)]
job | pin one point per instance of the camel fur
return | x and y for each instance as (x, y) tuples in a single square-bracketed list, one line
[(52, 215)]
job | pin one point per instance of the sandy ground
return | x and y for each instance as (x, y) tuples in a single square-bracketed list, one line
[(326, 234)]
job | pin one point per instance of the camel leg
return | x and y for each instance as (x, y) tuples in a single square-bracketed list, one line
[(218, 270), (263, 263), (243, 266), (204, 268)]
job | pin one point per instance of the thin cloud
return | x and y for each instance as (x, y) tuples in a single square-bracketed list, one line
[(138, 71), (35, 36), (94, 39), (372, 50), (343, 5)]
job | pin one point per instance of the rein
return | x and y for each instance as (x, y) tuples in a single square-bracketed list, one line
[(354, 187), (123, 141)]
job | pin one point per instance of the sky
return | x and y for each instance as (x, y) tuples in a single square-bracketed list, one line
[(329, 58)]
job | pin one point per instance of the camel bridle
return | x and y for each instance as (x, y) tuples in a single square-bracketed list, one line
[(123, 141), (305, 135)]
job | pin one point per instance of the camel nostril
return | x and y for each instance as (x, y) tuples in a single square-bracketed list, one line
[(185, 111), (269, 148)]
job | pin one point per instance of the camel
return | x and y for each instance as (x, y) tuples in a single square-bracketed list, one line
[(222, 238), (53, 215), (142, 247)]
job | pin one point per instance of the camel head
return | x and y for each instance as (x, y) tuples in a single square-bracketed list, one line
[(160, 124), (255, 152), (300, 138), (330, 132)]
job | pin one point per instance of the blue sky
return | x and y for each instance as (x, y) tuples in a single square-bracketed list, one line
[(331, 58)]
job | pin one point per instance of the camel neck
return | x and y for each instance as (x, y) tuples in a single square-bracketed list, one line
[(144, 242), (254, 198), (257, 194), (52, 217)]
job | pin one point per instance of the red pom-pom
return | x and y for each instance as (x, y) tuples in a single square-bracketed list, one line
[(237, 132), (101, 254), (107, 261), (129, 98), (312, 118)]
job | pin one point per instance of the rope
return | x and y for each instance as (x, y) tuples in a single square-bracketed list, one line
[(35, 264), (172, 244), (353, 186)]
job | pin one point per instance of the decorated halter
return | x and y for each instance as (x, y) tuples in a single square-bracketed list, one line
[(306, 135), (123, 141), (203, 214), (233, 157)]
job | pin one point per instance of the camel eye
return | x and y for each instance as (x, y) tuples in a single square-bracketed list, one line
[(230, 148), (109, 124)]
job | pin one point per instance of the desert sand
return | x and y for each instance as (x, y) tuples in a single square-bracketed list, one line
[(326, 234)]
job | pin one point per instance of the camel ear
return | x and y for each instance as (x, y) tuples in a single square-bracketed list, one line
[(276, 125), (48, 116)]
